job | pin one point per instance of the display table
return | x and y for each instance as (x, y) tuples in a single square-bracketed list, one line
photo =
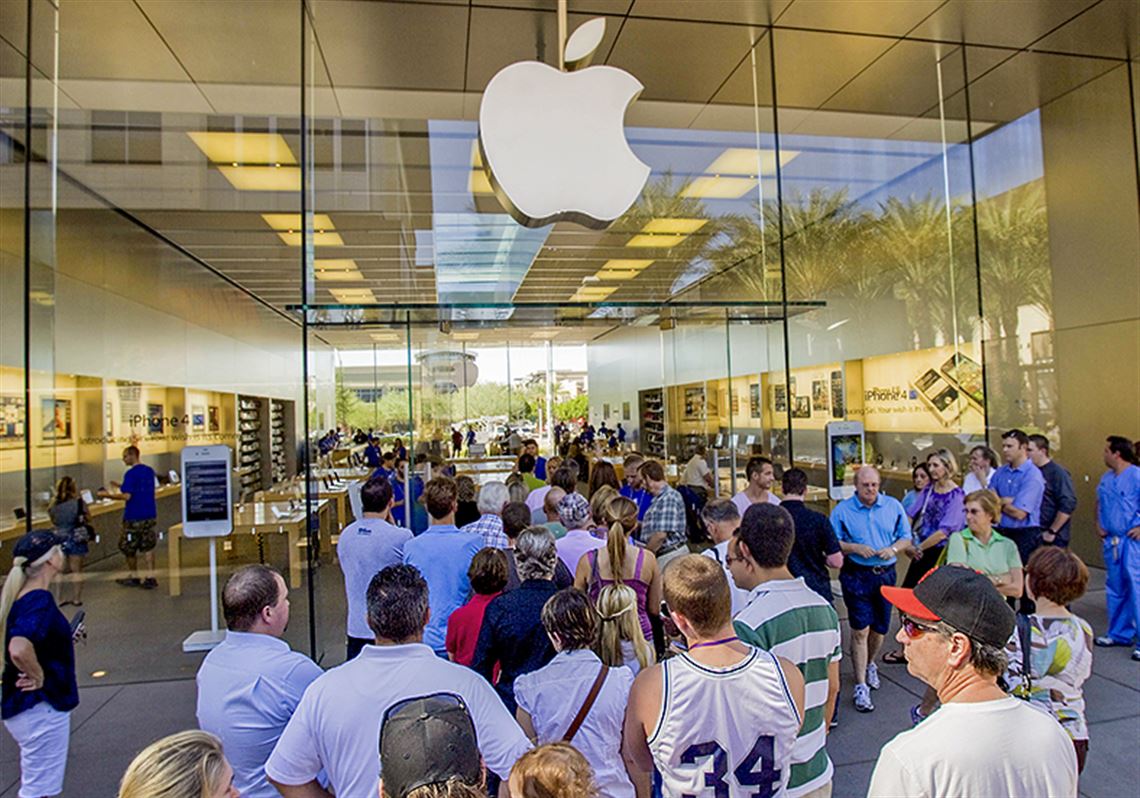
[(16, 530), (256, 519)]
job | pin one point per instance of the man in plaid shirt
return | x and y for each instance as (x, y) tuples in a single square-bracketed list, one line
[(663, 529), (492, 498)]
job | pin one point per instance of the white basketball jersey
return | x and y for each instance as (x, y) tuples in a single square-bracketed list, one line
[(724, 733)]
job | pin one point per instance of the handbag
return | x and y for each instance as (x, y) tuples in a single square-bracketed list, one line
[(83, 531), (591, 697)]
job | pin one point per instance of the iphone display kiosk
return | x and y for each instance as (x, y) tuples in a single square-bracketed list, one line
[(845, 448), (207, 512)]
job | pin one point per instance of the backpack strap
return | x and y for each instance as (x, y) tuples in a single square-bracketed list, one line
[(591, 697)]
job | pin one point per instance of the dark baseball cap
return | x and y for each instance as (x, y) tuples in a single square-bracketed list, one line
[(35, 544), (428, 740), (960, 597)]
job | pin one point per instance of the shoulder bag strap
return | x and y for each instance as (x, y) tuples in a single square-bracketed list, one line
[(591, 697)]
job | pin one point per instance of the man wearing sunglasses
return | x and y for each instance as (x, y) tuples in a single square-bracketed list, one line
[(955, 626)]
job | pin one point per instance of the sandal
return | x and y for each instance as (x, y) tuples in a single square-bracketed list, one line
[(894, 657)]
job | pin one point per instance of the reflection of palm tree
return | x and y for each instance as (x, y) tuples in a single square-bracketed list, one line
[(1013, 242), (911, 234)]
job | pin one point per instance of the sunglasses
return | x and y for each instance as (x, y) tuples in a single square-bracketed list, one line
[(913, 629)]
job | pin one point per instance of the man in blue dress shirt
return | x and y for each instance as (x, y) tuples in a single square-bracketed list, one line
[(442, 554), (1021, 488), (1118, 524), (634, 488), (873, 529), (249, 686)]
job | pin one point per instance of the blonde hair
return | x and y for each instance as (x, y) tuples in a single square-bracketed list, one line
[(598, 501), (621, 514), (14, 582), (452, 788), (988, 501), (949, 461), (188, 764), (65, 490), (554, 770), (617, 604)]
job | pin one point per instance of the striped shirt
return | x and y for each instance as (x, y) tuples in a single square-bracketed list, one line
[(789, 619)]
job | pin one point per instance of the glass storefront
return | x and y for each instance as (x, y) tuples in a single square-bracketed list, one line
[(252, 222)]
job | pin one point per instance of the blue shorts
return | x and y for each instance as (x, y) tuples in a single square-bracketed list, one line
[(862, 593)]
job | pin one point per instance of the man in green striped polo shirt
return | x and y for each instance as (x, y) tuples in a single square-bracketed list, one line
[(786, 617)]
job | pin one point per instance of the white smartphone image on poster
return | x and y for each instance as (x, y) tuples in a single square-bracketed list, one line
[(207, 491), (940, 397), (965, 374)]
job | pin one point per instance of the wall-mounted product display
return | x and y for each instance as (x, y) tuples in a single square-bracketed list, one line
[(249, 460), (278, 451), (652, 406)]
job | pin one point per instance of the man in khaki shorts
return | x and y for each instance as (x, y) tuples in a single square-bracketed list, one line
[(139, 518)]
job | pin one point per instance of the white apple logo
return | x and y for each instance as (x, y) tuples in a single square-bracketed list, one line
[(553, 143)]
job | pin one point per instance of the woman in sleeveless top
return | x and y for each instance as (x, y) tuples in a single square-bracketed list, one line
[(620, 562), (69, 519)]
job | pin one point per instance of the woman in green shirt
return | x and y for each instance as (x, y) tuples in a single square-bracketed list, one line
[(983, 548)]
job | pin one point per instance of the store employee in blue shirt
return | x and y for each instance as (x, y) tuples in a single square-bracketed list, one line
[(251, 683), (372, 453), (873, 529), (140, 517), (1021, 488), (1118, 523)]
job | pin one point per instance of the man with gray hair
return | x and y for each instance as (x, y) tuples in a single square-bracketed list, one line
[(512, 634), (493, 497), (981, 741), (250, 684), (721, 519)]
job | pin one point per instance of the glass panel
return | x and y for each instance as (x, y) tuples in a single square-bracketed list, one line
[(877, 237)]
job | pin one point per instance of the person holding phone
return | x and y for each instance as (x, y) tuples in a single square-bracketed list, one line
[(38, 689), (139, 518)]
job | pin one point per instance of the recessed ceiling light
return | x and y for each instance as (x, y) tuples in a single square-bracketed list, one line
[(662, 241), (353, 296), (718, 187), (98, 674), (335, 265), (627, 263), (263, 178), (746, 161), (339, 277), (319, 239), (292, 221), (243, 148), (685, 226)]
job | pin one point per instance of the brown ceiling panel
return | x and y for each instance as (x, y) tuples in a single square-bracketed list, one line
[(749, 12), (1110, 28), (1005, 23), (810, 67), (883, 17)]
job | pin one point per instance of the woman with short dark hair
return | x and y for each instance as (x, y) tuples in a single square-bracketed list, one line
[(550, 698)]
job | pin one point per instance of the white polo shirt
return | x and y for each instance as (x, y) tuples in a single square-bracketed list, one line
[(554, 693), (336, 728), (248, 688), (742, 501), (366, 547)]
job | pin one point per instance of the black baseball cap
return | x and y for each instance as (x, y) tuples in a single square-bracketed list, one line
[(35, 544), (962, 598), (428, 740)]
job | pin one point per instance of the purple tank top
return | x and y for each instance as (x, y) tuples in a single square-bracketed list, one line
[(636, 584)]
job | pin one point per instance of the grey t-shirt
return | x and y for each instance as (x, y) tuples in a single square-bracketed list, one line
[(65, 516)]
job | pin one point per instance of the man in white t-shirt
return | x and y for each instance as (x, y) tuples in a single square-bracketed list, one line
[(721, 520), (365, 548), (761, 475), (981, 741), (697, 475), (336, 727)]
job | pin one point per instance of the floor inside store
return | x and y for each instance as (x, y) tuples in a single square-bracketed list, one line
[(117, 716)]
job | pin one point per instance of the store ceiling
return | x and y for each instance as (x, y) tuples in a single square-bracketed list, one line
[(403, 65)]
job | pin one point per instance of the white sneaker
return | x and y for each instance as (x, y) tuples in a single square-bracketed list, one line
[(873, 676), (863, 698)]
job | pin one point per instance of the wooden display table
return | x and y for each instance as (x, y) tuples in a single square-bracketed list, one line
[(255, 519), (16, 530)]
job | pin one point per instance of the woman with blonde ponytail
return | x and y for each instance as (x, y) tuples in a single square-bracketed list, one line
[(621, 641), (188, 764), (623, 563), (38, 686)]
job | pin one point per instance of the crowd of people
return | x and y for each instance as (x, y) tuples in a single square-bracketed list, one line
[(575, 638)]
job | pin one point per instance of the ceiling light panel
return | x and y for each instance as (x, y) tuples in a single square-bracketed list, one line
[(340, 277), (263, 178), (627, 264), (660, 241), (319, 239), (292, 221), (617, 274), (719, 187), (353, 296), (237, 149), (682, 226), (335, 265), (745, 161), (464, 336)]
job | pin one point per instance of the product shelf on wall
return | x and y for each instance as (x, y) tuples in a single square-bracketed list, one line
[(249, 462), (651, 404)]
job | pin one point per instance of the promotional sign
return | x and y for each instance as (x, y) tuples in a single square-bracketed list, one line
[(553, 143), (207, 499), (844, 455), (929, 390)]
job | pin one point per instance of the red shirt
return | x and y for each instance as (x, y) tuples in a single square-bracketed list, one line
[(463, 629)]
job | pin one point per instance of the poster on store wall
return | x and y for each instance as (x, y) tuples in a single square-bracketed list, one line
[(754, 400), (11, 421), (694, 402), (56, 419), (819, 396), (930, 390), (801, 407), (212, 415), (780, 398), (197, 418), (154, 421), (838, 405), (130, 400)]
